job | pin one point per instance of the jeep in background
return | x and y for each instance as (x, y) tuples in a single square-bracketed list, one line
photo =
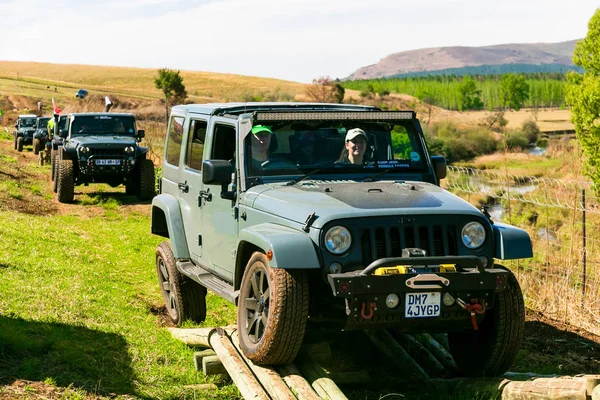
[(40, 136), (24, 130), (103, 148), (261, 205)]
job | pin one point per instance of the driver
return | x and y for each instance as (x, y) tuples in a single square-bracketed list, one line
[(260, 140), (354, 148)]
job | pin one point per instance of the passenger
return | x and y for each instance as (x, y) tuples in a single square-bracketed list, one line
[(305, 153), (261, 140), (354, 148)]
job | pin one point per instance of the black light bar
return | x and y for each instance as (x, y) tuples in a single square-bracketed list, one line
[(333, 115)]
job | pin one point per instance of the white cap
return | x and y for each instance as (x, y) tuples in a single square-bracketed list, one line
[(352, 133)]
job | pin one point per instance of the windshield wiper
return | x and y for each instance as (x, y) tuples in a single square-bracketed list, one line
[(294, 181), (370, 178)]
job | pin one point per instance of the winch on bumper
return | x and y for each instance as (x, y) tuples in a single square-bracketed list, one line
[(416, 294), (104, 166)]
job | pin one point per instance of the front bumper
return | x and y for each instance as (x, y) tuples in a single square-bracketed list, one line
[(365, 293), (96, 166)]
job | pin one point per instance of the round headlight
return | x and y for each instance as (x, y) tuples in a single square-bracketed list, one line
[(84, 149), (338, 240), (473, 235), (129, 149)]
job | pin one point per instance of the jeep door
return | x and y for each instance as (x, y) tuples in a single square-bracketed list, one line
[(220, 223), (190, 185)]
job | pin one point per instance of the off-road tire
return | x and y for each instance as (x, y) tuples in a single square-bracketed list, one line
[(53, 163), (271, 328), (15, 142), (19, 144), (36, 146), (146, 180), (66, 183), (41, 158), (491, 350), (55, 173), (184, 298)]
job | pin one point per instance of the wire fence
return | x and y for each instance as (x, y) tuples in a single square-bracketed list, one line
[(562, 217)]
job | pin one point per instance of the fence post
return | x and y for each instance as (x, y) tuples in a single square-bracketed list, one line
[(584, 247)]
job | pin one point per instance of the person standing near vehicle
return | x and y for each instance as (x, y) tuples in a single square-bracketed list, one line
[(107, 104)]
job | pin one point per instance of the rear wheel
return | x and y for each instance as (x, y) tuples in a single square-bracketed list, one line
[(52, 162), (146, 181), (66, 183), (19, 144), (184, 298), (491, 350), (272, 312), (15, 142), (36, 146)]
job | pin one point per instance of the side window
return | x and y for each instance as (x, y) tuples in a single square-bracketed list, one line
[(195, 147), (174, 136), (224, 143)]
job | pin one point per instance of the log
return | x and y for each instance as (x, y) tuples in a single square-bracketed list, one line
[(193, 337), (239, 372), (320, 352), (351, 377), (201, 354), (212, 365), (390, 347), (442, 338), (421, 355), (267, 376), (546, 388), (438, 351), (318, 378), (296, 382)]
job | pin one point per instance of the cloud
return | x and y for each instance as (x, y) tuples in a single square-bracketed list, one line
[(288, 39)]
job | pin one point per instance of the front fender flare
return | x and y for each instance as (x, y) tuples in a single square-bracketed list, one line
[(292, 249), (511, 242), (167, 221)]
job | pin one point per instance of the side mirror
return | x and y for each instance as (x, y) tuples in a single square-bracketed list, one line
[(439, 165), (63, 133), (216, 172), (141, 133)]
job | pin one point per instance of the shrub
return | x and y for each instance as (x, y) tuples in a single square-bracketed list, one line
[(531, 130), (516, 140)]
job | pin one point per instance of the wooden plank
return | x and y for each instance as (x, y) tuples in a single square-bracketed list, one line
[(320, 352), (318, 378), (421, 355), (438, 351), (296, 382), (199, 355), (360, 377), (390, 347), (193, 337), (442, 338), (238, 370), (546, 388), (267, 376), (212, 365)]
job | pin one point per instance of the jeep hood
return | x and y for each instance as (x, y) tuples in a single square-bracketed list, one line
[(348, 199), (103, 141)]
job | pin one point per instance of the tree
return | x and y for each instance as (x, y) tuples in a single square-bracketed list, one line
[(429, 101), (514, 90), (583, 96), (325, 90), (171, 84), (469, 94)]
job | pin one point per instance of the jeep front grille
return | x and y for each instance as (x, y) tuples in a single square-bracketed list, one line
[(107, 153), (381, 242)]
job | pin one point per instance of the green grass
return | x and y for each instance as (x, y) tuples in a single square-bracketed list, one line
[(79, 309)]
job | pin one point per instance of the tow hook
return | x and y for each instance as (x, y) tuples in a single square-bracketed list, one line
[(372, 307), (473, 308)]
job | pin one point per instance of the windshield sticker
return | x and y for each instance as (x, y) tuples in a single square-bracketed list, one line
[(415, 156), (104, 117), (130, 130), (392, 164)]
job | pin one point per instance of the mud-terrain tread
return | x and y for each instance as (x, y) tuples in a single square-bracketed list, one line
[(15, 142), (146, 180), (286, 324), (190, 297), (502, 334), (19, 144), (36, 146), (66, 183), (52, 163), (55, 171)]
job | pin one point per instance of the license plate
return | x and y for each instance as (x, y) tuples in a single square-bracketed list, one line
[(422, 305), (108, 162)]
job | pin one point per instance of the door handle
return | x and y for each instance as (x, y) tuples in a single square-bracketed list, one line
[(184, 187), (205, 194)]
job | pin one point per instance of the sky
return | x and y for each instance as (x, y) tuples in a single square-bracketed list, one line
[(296, 40)]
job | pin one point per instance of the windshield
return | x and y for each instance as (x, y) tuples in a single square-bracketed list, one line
[(335, 147), (42, 122), (103, 125), (27, 122), (63, 122)]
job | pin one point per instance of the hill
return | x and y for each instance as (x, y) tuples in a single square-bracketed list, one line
[(442, 58)]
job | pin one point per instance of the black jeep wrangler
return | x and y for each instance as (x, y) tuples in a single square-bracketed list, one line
[(103, 148), (24, 130)]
